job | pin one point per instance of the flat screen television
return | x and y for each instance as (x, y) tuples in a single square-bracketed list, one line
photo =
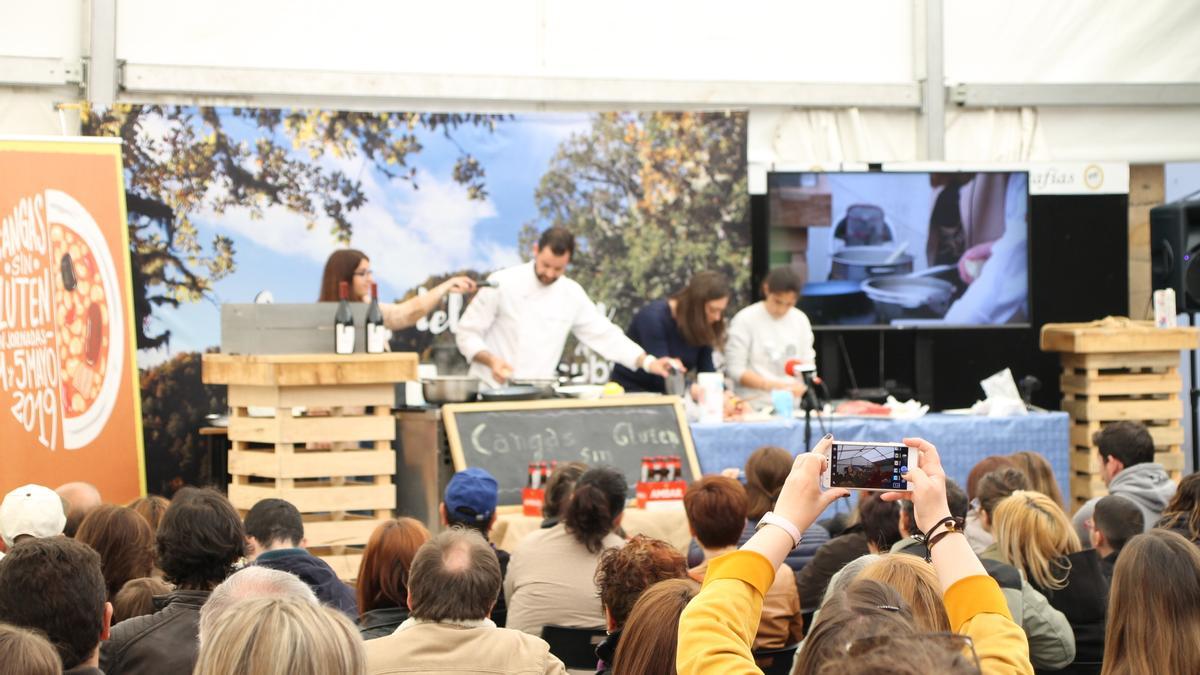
[(904, 249)]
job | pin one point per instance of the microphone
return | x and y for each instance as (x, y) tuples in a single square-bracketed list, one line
[(807, 371)]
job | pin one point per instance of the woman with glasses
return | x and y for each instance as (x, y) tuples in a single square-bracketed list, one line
[(1034, 535), (717, 628), (353, 267)]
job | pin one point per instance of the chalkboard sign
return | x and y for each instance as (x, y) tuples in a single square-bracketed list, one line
[(505, 437)]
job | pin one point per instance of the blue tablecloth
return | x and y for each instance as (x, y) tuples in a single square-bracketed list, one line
[(961, 440)]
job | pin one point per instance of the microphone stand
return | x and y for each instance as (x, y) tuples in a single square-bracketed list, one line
[(808, 402)]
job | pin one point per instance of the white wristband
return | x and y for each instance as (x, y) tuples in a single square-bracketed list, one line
[(769, 518), (646, 361)]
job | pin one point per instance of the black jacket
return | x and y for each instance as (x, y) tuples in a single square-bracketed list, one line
[(1084, 601), (381, 622), (606, 653), (163, 643), (829, 558), (316, 573)]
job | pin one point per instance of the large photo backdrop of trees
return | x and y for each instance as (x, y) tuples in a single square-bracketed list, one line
[(224, 202)]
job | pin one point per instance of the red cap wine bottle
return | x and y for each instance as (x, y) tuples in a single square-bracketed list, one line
[(377, 334), (343, 322)]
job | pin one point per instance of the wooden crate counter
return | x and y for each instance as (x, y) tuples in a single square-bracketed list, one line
[(1117, 369), (333, 459)]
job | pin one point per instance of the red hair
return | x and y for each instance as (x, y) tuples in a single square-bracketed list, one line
[(383, 573)]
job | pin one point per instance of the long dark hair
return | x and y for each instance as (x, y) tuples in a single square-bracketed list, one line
[(1183, 513), (598, 499), (766, 470), (124, 541), (338, 268), (689, 309)]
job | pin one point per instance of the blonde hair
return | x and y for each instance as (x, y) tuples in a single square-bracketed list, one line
[(917, 583), (283, 636), (1152, 625), (1034, 535), (27, 652)]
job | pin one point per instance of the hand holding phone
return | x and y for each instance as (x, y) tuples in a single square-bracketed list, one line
[(927, 484), (869, 466)]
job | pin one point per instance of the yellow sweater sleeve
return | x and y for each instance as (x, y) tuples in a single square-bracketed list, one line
[(718, 625), (977, 609)]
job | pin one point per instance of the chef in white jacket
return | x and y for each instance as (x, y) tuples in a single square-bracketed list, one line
[(517, 328)]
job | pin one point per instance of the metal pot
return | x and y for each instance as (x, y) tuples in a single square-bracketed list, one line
[(857, 263), (450, 389), (836, 303), (515, 393), (909, 297)]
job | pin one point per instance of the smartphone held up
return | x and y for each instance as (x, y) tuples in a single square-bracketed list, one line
[(868, 466)]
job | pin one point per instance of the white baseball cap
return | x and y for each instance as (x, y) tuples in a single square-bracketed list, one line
[(31, 509)]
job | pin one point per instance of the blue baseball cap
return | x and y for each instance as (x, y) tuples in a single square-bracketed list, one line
[(471, 495)]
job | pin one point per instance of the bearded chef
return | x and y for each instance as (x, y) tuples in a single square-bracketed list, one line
[(516, 327)]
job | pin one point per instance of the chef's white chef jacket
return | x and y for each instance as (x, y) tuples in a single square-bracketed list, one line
[(526, 323)]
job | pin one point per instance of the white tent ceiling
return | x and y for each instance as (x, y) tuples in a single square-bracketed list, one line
[(824, 82)]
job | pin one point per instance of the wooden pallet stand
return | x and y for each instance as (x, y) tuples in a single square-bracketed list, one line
[(1115, 370), (334, 461)]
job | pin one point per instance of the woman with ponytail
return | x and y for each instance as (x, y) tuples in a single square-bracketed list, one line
[(551, 574)]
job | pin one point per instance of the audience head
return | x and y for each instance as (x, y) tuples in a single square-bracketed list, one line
[(716, 511), (918, 584), (247, 583), (124, 541), (54, 585), (281, 636), (136, 598), (848, 574), (81, 498), (27, 652), (595, 507), (869, 629), (880, 521), (651, 634), (1122, 445), (559, 487), (983, 467), (994, 488), (623, 573), (31, 511), (1115, 520), (1033, 535), (700, 307), (199, 539), (1152, 625), (150, 507), (1039, 472), (766, 470), (864, 609), (470, 500), (455, 577), (1183, 513), (386, 563), (273, 524)]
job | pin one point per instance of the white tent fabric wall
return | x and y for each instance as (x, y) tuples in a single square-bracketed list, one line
[(768, 57)]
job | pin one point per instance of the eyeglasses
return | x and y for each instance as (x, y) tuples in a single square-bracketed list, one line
[(951, 643), (364, 273)]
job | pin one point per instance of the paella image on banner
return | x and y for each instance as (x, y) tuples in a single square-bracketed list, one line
[(231, 204), (66, 358)]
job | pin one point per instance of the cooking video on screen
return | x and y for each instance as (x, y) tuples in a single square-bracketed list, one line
[(895, 248)]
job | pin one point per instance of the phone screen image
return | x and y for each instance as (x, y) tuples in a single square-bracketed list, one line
[(868, 466)]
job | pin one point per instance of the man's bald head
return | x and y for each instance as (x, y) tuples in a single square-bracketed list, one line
[(80, 498), (454, 577)]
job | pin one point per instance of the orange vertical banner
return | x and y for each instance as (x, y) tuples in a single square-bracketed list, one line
[(69, 399)]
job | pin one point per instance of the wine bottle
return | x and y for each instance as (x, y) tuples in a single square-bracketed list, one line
[(377, 334), (343, 322)]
